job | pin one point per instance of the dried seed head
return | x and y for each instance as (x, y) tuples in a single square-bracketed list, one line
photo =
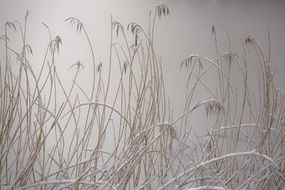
[(78, 65), (75, 21), (11, 25), (99, 67), (213, 30), (229, 56), (27, 15), (249, 39), (58, 42), (134, 28), (190, 60), (118, 27), (162, 10), (213, 107)]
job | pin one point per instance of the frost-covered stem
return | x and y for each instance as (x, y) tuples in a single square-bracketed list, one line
[(207, 187), (193, 108), (226, 156), (51, 182)]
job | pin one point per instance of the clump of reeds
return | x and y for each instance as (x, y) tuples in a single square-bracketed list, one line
[(54, 137)]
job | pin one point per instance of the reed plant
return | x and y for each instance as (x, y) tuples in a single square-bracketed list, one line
[(119, 133)]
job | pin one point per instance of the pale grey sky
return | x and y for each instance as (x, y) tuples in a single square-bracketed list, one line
[(186, 31)]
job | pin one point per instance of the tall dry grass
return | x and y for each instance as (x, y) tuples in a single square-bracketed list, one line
[(54, 137)]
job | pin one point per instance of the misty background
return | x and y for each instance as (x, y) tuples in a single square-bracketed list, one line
[(186, 31)]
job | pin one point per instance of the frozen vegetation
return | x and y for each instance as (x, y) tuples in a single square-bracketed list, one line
[(119, 133)]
